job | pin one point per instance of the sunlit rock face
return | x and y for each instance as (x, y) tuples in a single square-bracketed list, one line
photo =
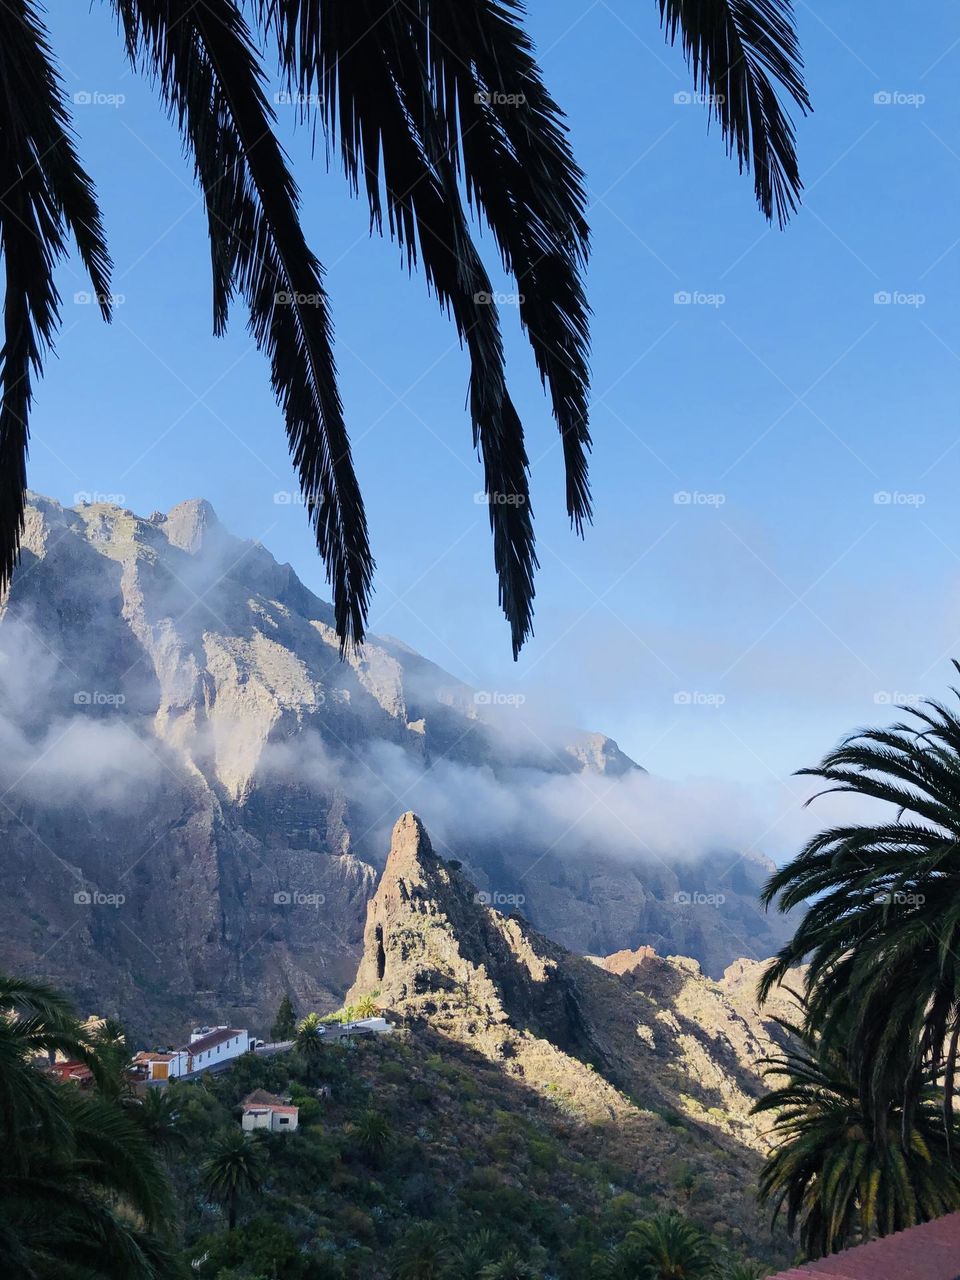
[(198, 793)]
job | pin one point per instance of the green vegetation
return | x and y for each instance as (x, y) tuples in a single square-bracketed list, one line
[(309, 1042), (840, 1172), (665, 1247), (865, 1147), (414, 1158), (81, 1191), (234, 1169), (285, 1023), (423, 1161)]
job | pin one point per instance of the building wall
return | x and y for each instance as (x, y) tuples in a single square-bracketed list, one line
[(222, 1052), (252, 1120)]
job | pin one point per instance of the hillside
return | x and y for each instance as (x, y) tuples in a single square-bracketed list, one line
[(197, 792), (529, 1100)]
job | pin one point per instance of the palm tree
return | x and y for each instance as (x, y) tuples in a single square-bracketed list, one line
[(75, 1171), (96, 1204), (835, 1169), (478, 1251), (158, 1118), (423, 1253), (234, 1168), (109, 1040), (36, 1024), (509, 1266), (366, 1007), (881, 922), (444, 99), (309, 1041), (664, 1247), (372, 1134)]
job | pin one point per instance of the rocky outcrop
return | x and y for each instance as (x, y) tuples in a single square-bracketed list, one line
[(177, 730), (644, 1049), (634, 1029)]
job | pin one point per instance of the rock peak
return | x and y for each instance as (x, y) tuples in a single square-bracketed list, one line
[(188, 522), (410, 839)]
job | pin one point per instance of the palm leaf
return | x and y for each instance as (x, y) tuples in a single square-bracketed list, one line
[(44, 195), (740, 52), (210, 76)]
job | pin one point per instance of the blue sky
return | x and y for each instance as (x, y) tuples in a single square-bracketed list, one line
[(735, 635)]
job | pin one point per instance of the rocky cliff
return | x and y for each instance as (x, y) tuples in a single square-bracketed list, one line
[(648, 1045), (651, 1027), (196, 793)]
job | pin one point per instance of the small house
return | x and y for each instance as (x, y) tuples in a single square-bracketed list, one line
[(69, 1070), (265, 1111), (149, 1066)]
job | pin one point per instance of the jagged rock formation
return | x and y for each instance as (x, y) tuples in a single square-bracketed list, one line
[(177, 731), (652, 1027), (668, 1057)]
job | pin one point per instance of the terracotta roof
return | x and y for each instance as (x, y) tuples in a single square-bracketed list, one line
[(260, 1100), (70, 1070), (928, 1252), (212, 1039), (146, 1055)]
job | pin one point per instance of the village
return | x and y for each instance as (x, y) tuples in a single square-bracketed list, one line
[(210, 1050)]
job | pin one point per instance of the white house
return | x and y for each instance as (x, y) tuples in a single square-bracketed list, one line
[(210, 1046), (262, 1110)]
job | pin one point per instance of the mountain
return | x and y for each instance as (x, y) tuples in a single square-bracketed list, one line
[(196, 792), (664, 1060)]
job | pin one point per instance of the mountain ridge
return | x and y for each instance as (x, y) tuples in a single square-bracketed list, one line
[(177, 728), (642, 1044)]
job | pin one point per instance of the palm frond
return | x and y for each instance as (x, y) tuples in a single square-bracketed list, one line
[(212, 81), (414, 97), (44, 195), (740, 52)]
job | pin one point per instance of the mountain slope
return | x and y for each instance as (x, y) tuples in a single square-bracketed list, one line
[(195, 792), (643, 1045)]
